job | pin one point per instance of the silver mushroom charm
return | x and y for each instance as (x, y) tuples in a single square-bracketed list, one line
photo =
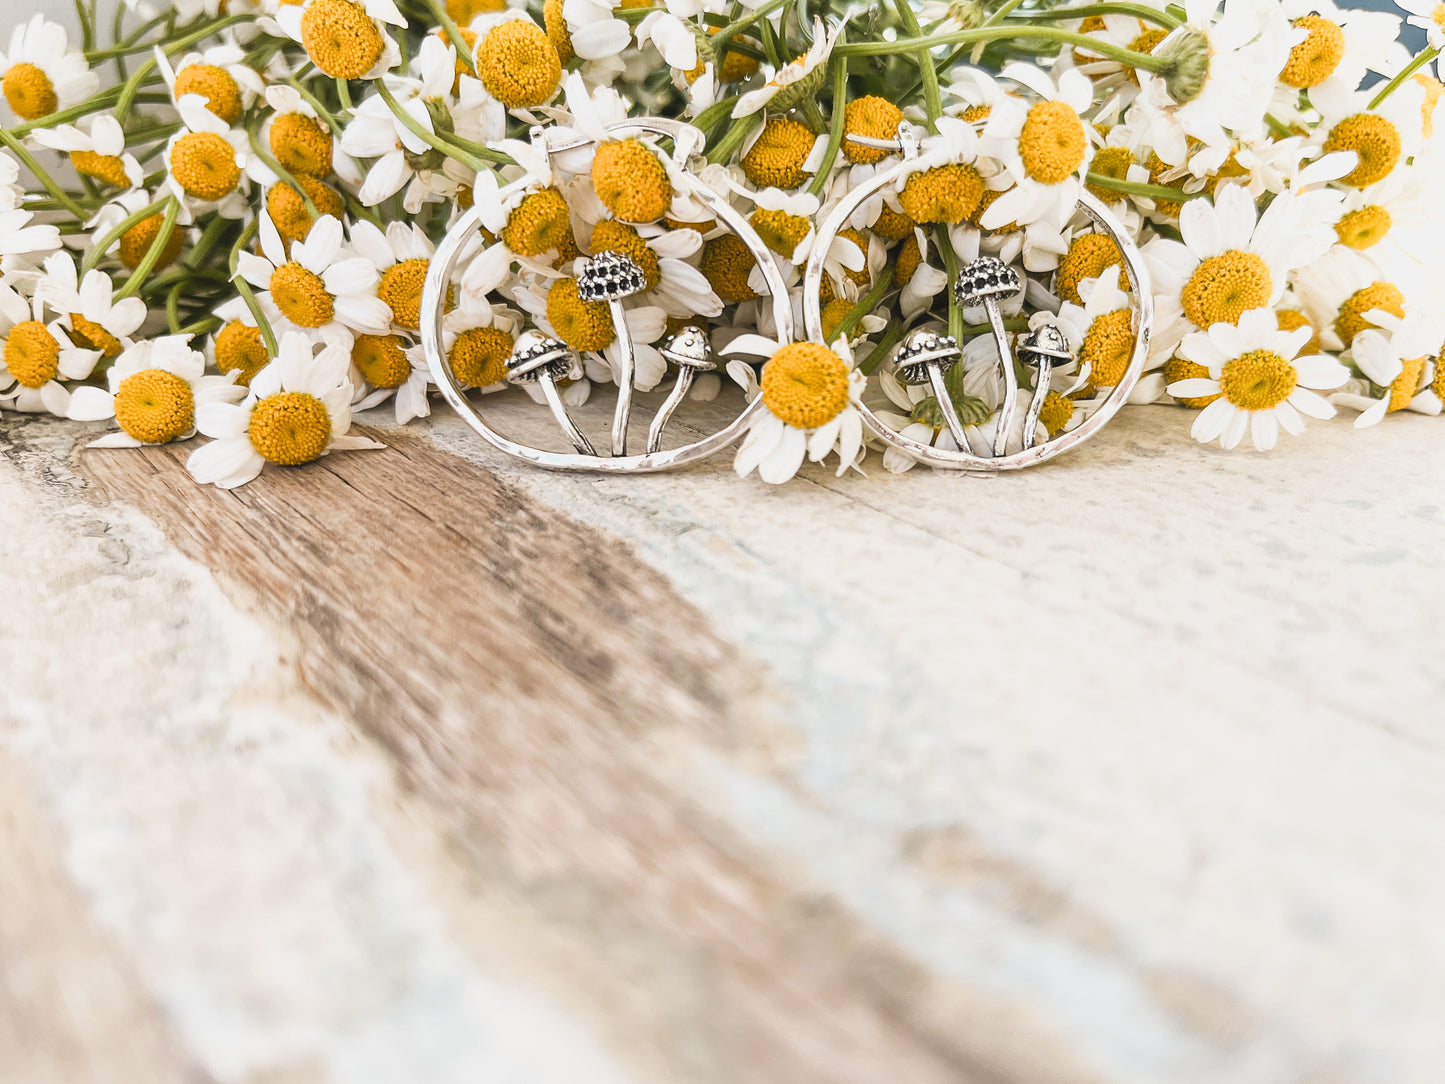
[(689, 351), (986, 282), (611, 276), (924, 357), (543, 361), (1041, 349)]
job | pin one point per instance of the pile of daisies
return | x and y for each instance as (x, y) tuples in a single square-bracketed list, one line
[(216, 218)]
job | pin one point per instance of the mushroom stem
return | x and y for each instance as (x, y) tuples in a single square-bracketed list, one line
[(1036, 404), (670, 404), (626, 373), (1010, 378), (947, 409), (559, 411)]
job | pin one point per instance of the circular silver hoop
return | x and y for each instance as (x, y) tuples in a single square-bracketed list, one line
[(1142, 321), (687, 141)]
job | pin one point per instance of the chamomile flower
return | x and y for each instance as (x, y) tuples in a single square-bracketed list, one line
[(91, 316), (516, 61), (346, 39), (36, 357), (810, 396), (1429, 16), (1382, 137), (1340, 46), (1394, 359), (942, 184), (153, 392), (300, 141), (209, 163), (39, 73), (219, 75), (136, 242), (793, 81), (587, 29), (672, 282), (1262, 386), (321, 287), (97, 150), (1043, 145), (402, 256), (298, 409)]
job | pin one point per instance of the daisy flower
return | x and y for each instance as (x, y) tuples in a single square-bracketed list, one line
[(810, 397), (587, 29), (208, 162), (1429, 16), (91, 316), (219, 75), (1262, 386), (1394, 357), (298, 409), (1340, 46), (1043, 146), (322, 287), (1382, 138), (154, 391), (97, 150), (35, 358), (1230, 260), (301, 142), (517, 62), (793, 81), (135, 243), (402, 256), (941, 183), (344, 38), (39, 74)]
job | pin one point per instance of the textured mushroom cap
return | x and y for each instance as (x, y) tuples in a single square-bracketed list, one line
[(610, 276), (921, 348), (689, 349)]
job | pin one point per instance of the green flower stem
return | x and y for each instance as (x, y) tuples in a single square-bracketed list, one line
[(932, 98), (1004, 11), (343, 94), (950, 266), (715, 114), (87, 25), (891, 334), (1143, 61), (117, 25), (99, 249), (209, 239), (172, 46), (771, 46), (1405, 73), (727, 33), (866, 304), (244, 289), (454, 35), (735, 136), (310, 99), (477, 150), (153, 254), (204, 326), (29, 162), (1138, 188), (1083, 11), (466, 157), (253, 133), (173, 313), (131, 88), (835, 129), (104, 99)]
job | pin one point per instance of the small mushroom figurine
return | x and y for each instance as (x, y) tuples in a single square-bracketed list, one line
[(609, 277), (987, 282), (537, 359), (1041, 349), (689, 351), (924, 357)]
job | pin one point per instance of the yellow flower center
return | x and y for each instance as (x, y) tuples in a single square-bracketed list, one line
[(1292, 320), (301, 296), (136, 242), (833, 314), (1350, 320), (1224, 287), (976, 114), (1374, 139), (557, 32), (1108, 346), (519, 66), (341, 38), (871, 116), (1363, 228), (1056, 413), (29, 91), (479, 356), (609, 236), (1433, 89), (805, 385), (381, 360), (1437, 385), (89, 335), (906, 261), (1258, 380), (582, 325), (288, 209), (290, 427), (223, 96), (631, 181), (1111, 162), (103, 167), (726, 264), (942, 194), (204, 165), (1089, 256), (1157, 167), (463, 12), (301, 144), (779, 230), (893, 226), (1404, 386), (540, 223), (1052, 143), (32, 354), (1176, 369), (240, 350), (776, 159), (400, 287), (155, 406), (1315, 59)]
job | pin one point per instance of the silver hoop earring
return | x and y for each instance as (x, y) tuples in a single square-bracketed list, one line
[(608, 277)]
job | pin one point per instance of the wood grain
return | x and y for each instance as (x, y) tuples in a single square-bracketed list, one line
[(515, 667)]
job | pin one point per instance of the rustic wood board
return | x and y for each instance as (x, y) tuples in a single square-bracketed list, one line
[(1114, 772)]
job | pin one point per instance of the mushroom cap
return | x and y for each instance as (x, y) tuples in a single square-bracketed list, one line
[(610, 276), (986, 277), (689, 349), (542, 355), (921, 348), (1045, 341)]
